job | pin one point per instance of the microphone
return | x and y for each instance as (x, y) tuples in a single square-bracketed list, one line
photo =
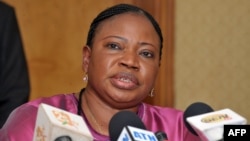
[(194, 109), (161, 136), (208, 124), (54, 124), (127, 126)]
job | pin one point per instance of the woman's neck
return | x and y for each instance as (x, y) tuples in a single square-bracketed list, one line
[(96, 112), (97, 115)]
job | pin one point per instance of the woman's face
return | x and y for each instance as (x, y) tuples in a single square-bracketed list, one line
[(123, 61)]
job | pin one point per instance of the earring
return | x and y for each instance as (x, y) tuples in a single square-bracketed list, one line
[(152, 92), (85, 78)]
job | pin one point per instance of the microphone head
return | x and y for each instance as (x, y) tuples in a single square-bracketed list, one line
[(194, 109), (121, 120), (161, 136)]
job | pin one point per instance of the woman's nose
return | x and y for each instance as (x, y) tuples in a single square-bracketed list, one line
[(130, 59)]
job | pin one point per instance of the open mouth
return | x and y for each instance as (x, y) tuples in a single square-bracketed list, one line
[(125, 81)]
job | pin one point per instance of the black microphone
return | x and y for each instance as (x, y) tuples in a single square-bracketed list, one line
[(127, 125), (194, 109)]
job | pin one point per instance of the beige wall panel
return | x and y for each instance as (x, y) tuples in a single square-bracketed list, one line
[(212, 54), (54, 32)]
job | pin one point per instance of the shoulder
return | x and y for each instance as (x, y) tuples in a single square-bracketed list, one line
[(167, 119), (5, 10), (161, 116), (21, 122), (62, 101), (4, 7)]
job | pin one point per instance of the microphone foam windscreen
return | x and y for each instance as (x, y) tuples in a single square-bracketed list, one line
[(161, 136), (121, 120), (194, 109)]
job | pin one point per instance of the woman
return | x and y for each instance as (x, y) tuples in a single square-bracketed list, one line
[(121, 60)]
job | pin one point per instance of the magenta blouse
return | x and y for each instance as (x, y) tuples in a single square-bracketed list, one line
[(21, 122)]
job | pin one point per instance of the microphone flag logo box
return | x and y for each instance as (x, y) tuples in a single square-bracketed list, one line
[(130, 133), (211, 124), (53, 123)]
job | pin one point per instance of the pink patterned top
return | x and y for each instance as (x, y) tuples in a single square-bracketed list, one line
[(21, 123)]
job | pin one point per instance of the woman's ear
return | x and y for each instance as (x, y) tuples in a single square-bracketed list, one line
[(86, 51)]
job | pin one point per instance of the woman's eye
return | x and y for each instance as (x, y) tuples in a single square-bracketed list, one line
[(147, 54), (113, 46)]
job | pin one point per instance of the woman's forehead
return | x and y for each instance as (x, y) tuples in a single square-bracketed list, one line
[(127, 17), (133, 23)]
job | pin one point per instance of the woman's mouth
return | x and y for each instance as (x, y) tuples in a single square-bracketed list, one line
[(125, 81)]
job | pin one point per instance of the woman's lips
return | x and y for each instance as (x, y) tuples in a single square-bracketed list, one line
[(125, 80)]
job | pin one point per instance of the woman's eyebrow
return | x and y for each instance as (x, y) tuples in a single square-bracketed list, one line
[(126, 40), (114, 36)]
